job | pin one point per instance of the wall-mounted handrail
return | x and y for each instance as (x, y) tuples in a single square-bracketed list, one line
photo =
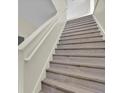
[(36, 48), (34, 34)]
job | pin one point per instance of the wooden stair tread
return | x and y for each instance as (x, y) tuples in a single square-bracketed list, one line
[(85, 64), (81, 40), (65, 86), (81, 52), (80, 37), (90, 31), (82, 29), (78, 65), (67, 55), (98, 36), (80, 22), (75, 25), (78, 74), (82, 26)]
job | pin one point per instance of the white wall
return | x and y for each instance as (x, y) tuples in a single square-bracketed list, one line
[(33, 13), (36, 51), (78, 8), (99, 13), (60, 5)]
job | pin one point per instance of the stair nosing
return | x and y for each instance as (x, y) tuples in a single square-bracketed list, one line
[(78, 64), (81, 42), (82, 38), (58, 87), (74, 23), (69, 26), (66, 35), (81, 26), (82, 29), (81, 20), (75, 75), (67, 55), (64, 87), (78, 48)]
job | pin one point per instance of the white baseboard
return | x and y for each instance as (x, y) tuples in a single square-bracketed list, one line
[(100, 27), (38, 86)]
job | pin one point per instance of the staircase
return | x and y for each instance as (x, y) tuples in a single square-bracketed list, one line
[(78, 64)]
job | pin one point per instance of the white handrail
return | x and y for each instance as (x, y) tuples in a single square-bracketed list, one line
[(36, 48), (32, 50), (34, 35)]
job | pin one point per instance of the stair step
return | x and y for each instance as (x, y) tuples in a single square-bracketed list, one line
[(78, 64), (49, 87), (78, 74), (81, 52), (76, 82), (88, 70), (82, 29), (83, 45), (81, 60), (87, 37), (79, 19), (80, 35), (91, 55), (81, 40), (82, 26), (79, 23), (90, 31), (94, 71), (100, 65), (64, 87)]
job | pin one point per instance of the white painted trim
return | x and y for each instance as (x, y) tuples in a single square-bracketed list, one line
[(36, 39), (34, 34), (40, 43), (46, 65), (100, 27), (92, 6)]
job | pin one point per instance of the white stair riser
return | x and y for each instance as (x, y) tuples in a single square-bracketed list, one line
[(93, 86)]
